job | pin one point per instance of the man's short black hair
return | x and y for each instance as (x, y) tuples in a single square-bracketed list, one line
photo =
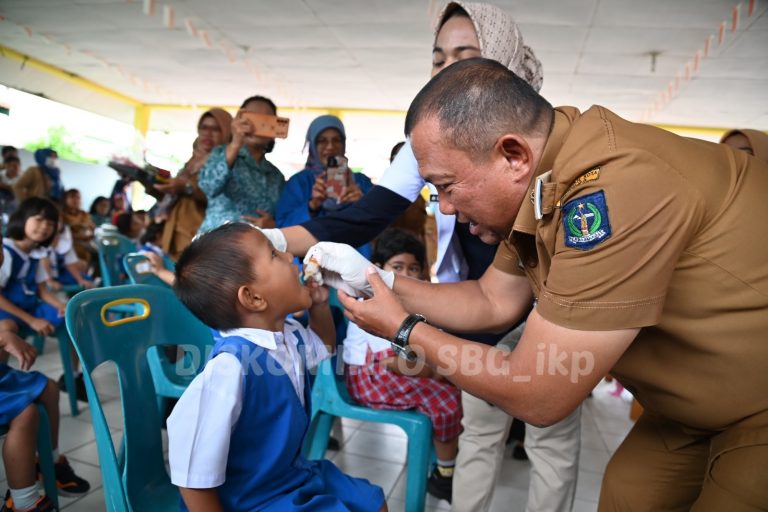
[(8, 149), (29, 208), (476, 101), (394, 241), (210, 272)]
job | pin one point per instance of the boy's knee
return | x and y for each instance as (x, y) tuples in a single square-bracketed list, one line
[(27, 418), (8, 324)]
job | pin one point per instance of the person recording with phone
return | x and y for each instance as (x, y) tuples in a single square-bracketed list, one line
[(238, 180), (326, 184)]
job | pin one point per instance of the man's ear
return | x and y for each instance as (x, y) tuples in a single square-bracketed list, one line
[(250, 299), (518, 154)]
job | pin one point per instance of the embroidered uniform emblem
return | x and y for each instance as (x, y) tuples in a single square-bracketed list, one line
[(585, 220)]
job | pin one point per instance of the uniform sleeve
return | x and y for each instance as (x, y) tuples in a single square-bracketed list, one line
[(41, 275), (293, 206), (616, 245), (201, 424), (507, 261), (70, 257), (215, 173), (5, 269), (315, 351), (402, 176), (361, 222)]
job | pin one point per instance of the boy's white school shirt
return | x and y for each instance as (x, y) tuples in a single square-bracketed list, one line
[(202, 422)]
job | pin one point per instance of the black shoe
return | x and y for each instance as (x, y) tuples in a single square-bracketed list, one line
[(333, 444), (80, 392), (67, 482), (439, 486)]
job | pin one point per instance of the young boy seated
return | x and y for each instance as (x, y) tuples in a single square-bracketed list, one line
[(235, 436), (380, 379)]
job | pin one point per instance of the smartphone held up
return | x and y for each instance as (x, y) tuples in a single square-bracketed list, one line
[(337, 176), (266, 125)]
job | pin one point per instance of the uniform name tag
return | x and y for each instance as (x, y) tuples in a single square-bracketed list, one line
[(585, 221)]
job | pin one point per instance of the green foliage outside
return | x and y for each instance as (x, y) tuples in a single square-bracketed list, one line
[(61, 141)]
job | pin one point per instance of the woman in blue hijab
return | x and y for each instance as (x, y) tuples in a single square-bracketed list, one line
[(305, 194), (43, 180)]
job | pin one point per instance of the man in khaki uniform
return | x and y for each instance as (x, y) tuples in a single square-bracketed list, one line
[(646, 253)]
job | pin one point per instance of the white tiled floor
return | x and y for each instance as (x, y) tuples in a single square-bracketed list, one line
[(372, 451)]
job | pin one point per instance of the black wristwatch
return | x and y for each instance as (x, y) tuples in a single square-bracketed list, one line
[(400, 341)]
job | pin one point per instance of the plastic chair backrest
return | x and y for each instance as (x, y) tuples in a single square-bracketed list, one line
[(138, 269), (141, 481), (111, 249)]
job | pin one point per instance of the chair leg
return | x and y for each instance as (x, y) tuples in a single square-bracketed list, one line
[(419, 459), (45, 456), (66, 362), (319, 431), (38, 341)]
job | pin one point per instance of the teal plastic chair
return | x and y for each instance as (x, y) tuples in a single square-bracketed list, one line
[(138, 481), (330, 398), (111, 250), (44, 454), (137, 267), (168, 382), (38, 342)]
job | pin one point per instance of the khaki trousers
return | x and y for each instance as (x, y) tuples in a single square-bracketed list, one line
[(662, 466)]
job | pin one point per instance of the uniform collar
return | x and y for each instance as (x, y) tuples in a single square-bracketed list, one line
[(525, 221), (263, 338)]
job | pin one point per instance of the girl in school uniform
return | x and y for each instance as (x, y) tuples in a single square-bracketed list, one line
[(24, 297), (20, 390)]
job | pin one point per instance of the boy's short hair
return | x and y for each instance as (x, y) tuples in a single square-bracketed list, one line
[(8, 149), (210, 272), (123, 223), (29, 208), (394, 241), (152, 232)]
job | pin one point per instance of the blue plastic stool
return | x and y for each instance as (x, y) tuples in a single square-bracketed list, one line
[(139, 481), (44, 454), (330, 399)]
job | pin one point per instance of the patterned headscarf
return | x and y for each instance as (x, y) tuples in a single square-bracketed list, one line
[(500, 39), (316, 127), (757, 139)]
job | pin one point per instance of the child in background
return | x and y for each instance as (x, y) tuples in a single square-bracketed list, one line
[(80, 224), (235, 436), (19, 392), (160, 262), (24, 296), (378, 378), (131, 226), (62, 265), (100, 211)]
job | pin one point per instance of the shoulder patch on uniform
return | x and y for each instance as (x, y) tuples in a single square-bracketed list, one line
[(586, 222)]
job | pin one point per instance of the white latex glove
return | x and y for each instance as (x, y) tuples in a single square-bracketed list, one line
[(277, 238), (344, 268)]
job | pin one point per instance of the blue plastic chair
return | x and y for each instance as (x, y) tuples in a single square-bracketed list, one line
[(44, 454), (139, 481), (38, 342), (111, 250), (330, 398), (137, 267), (168, 382)]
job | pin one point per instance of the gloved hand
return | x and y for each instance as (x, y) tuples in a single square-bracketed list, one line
[(277, 238), (345, 269)]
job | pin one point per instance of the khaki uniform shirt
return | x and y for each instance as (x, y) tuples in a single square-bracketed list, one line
[(644, 229)]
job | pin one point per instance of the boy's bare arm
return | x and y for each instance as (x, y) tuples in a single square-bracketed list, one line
[(201, 500)]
